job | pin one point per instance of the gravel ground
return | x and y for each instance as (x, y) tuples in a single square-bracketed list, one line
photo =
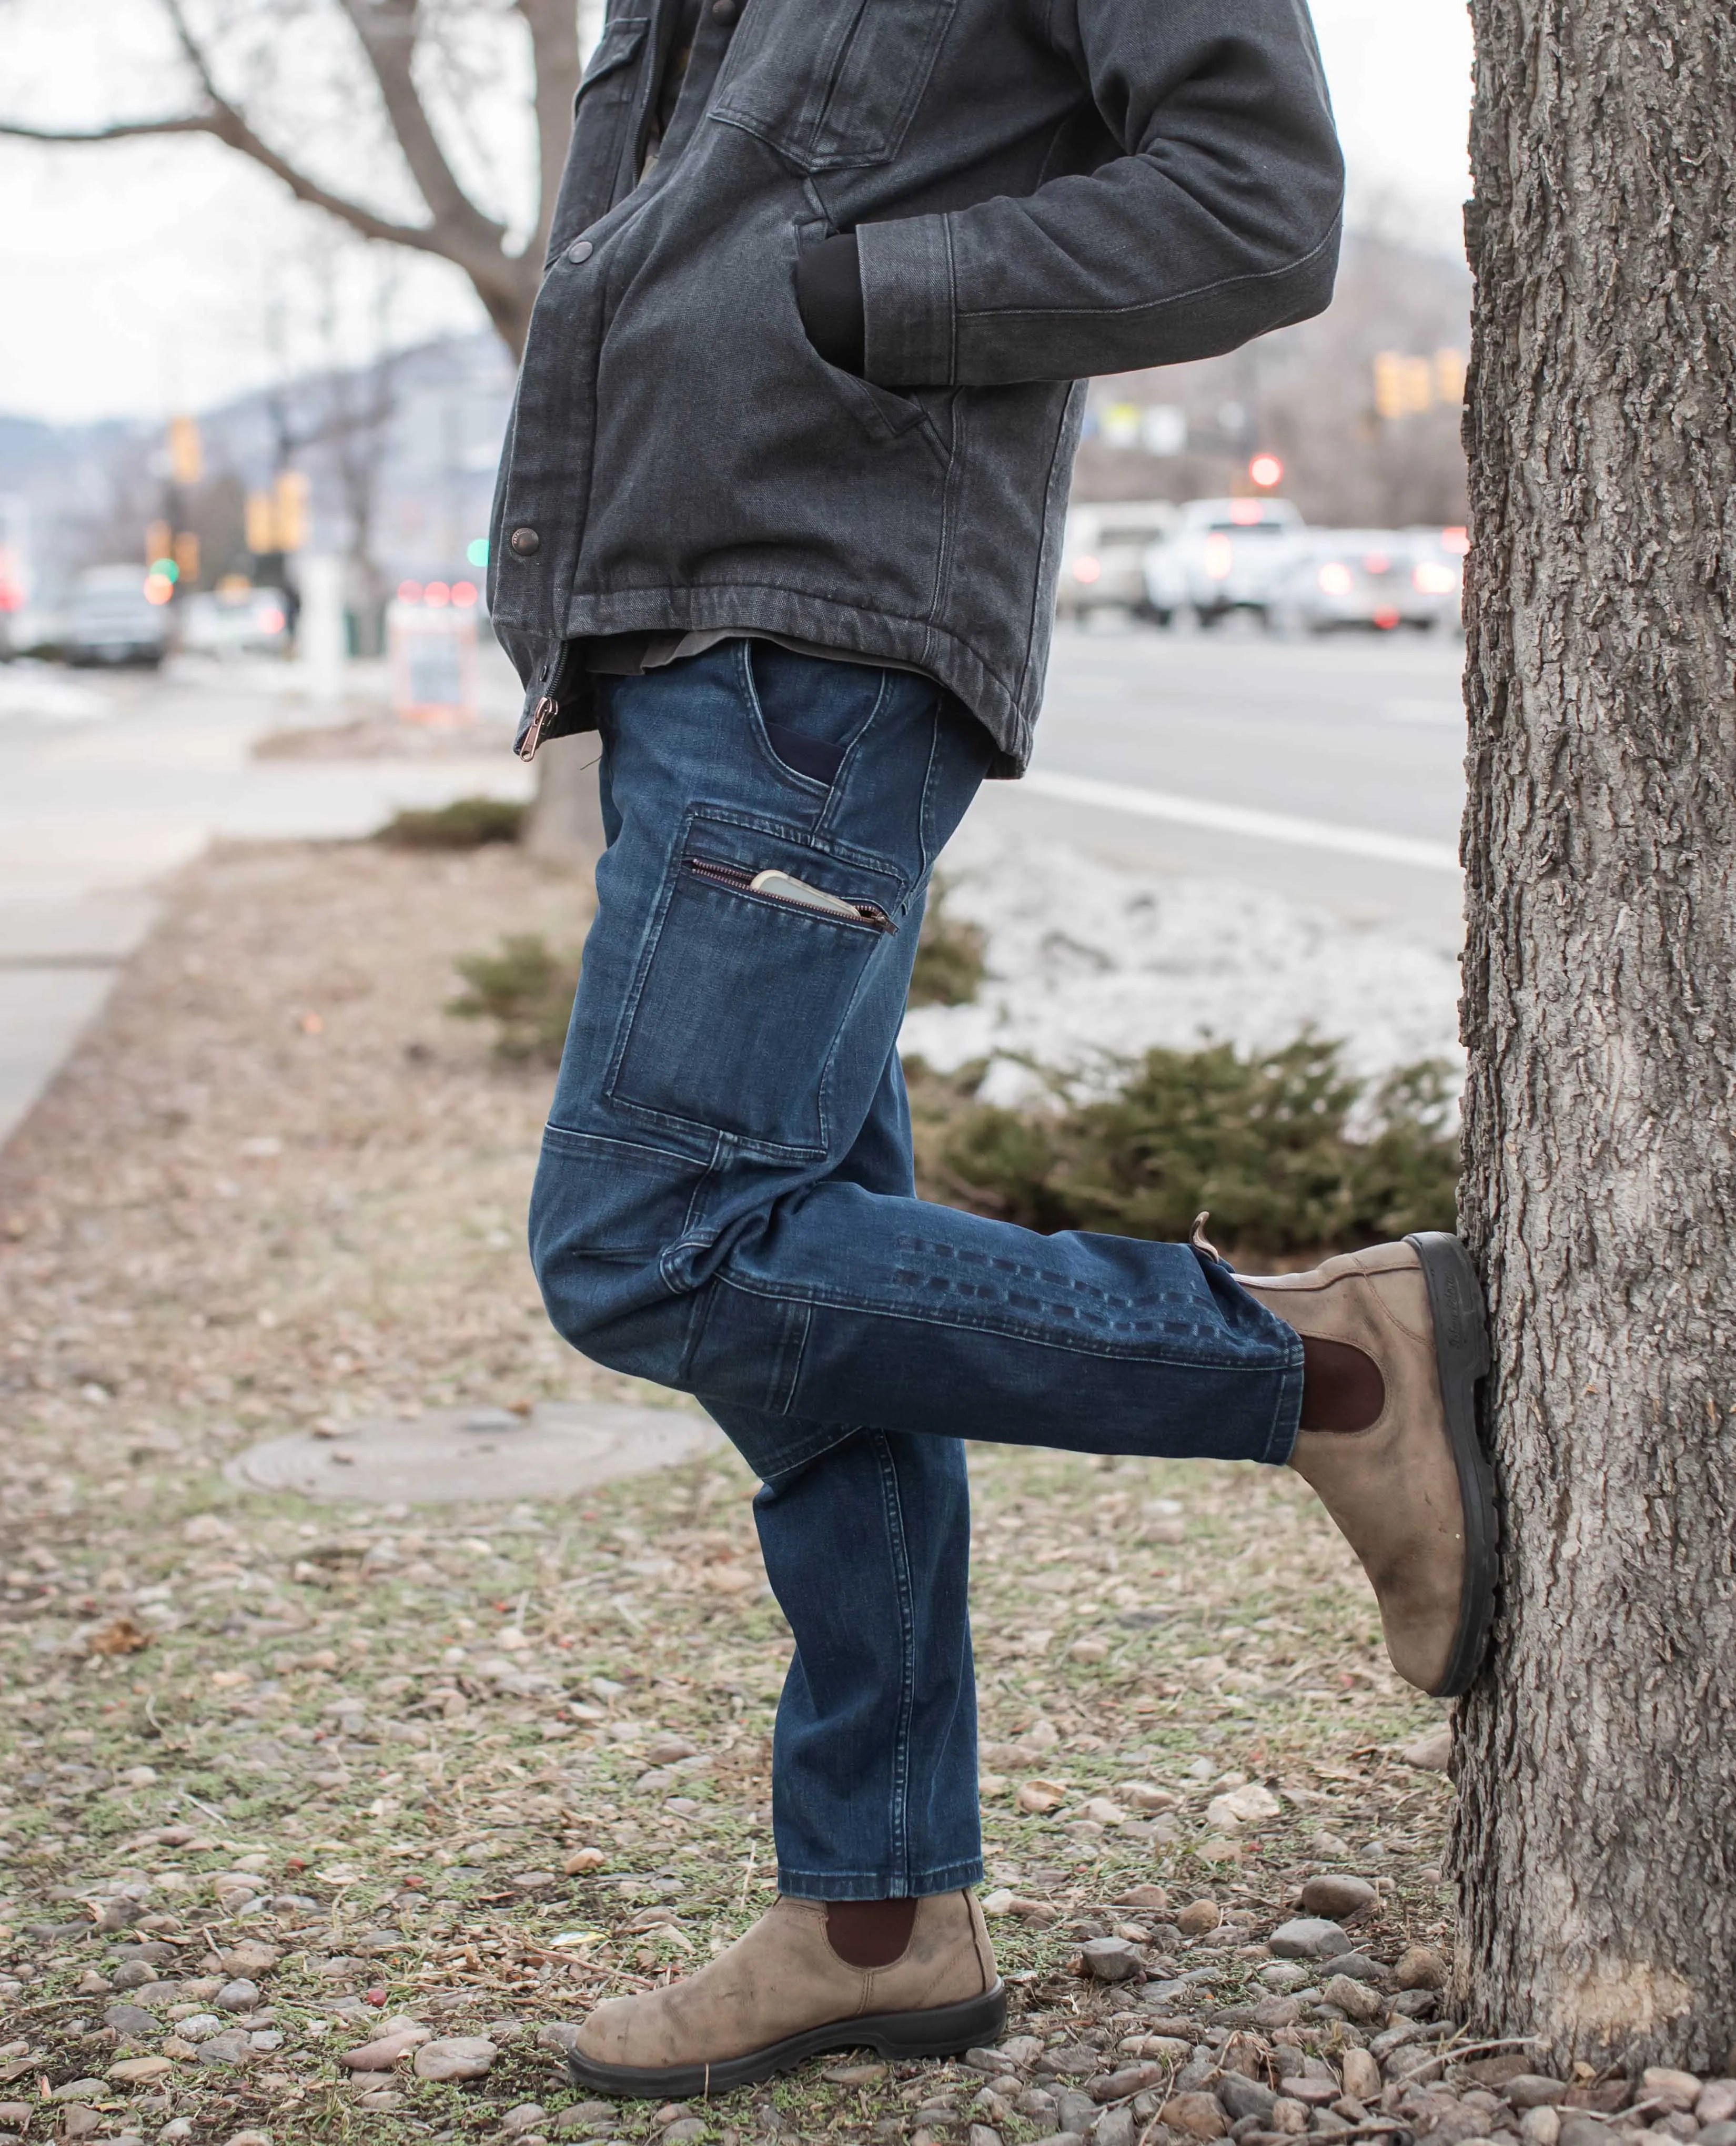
[(282, 1782)]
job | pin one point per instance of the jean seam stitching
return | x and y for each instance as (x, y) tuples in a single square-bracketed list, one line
[(1069, 1344), (898, 1550)]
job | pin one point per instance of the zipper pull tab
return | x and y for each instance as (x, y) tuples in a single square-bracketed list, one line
[(541, 716)]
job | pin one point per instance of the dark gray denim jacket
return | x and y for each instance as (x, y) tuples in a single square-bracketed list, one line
[(1041, 190)]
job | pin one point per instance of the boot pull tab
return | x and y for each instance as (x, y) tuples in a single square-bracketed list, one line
[(1200, 1242)]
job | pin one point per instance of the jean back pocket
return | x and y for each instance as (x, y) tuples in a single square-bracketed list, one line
[(763, 946)]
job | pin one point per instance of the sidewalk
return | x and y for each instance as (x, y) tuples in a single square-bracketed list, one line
[(108, 783)]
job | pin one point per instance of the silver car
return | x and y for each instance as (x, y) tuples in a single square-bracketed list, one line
[(110, 619), (1373, 580), (1224, 556)]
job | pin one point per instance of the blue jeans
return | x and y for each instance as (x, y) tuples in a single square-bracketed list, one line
[(725, 1205)]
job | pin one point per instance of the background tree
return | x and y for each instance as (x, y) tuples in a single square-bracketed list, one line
[(437, 186), (259, 75), (1596, 1835)]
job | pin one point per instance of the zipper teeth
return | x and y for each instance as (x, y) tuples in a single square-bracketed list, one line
[(740, 881)]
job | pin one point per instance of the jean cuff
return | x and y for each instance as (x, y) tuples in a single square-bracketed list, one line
[(1286, 1414), (865, 1885)]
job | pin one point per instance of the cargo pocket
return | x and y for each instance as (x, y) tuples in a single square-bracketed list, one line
[(831, 87), (762, 948)]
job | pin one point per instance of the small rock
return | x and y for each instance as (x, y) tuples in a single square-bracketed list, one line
[(1062, 2139), (1196, 2115), (1360, 1968), (1361, 2074), (381, 2054), (81, 2089), (382, 2097), (1075, 2111), (1541, 2126), (1285, 1974), (1309, 1937), (1315, 2093), (1721, 2133), (1354, 1999), (870, 2074), (1533, 2089), (1717, 2104), (1272, 2013), (525, 2116), (1421, 1969), (1038, 1798), (78, 2122), (250, 2139), (1338, 1898), (134, 1974), (1244, 1806), (1580, 2130), (685, 2129), (979, 2134), (1287, 2115), (1245, 2097), (198, 2025), (131, 2021), (140, 2071), (465, 2057), (1676, 2090), (583, 1859), (238, 1996), (1115, 2127), (1112, 1959), (1120, 2086), (249, 1959), (1431, 1752), (1201, 1915), (231, 2048), (1165, 2050)]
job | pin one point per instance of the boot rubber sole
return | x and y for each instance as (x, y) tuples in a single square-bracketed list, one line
[(1461, 1356), (943, 2030)]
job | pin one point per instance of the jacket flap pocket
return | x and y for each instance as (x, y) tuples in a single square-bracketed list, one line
[(619, 43)]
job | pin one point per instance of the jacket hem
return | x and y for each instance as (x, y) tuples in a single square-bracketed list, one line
[(919, 644)]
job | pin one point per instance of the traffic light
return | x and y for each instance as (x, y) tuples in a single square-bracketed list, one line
[(158, 539), (186, 555), (289, 503), (186, 451)]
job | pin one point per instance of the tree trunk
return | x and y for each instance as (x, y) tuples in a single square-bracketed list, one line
[(566, 826), (1595, 1838)]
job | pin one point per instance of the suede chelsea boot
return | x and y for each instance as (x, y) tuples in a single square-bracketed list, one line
[(1409, 1487), (782, 1993)]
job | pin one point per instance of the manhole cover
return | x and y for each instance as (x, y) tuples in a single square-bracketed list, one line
[(458, 1455)]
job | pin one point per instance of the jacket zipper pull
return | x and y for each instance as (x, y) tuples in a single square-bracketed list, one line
[(541, 716)]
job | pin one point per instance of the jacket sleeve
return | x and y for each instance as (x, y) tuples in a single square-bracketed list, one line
[(1219, 221)]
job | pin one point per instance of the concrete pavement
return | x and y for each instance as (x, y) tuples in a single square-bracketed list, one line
[(109, 782)]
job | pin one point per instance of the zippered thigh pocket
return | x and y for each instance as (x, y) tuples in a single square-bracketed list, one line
[(757, 963)]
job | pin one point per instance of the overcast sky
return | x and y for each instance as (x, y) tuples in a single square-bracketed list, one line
[(153, 276)]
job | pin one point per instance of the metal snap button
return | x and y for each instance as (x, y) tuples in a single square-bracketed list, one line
[(580, 250), (725, 11), (524, 541)]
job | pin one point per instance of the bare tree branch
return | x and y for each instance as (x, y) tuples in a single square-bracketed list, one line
[(387, 32)]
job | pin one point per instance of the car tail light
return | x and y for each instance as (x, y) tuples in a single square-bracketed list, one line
[(1334, 578), (1458, 541), (1433, 579), (1087, 569), (1219, 556), (1386, 618)]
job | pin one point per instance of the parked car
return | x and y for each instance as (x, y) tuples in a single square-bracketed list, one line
[(1103, 554), (1376, 580), (235, 622), (110, 619), (1223, 556)]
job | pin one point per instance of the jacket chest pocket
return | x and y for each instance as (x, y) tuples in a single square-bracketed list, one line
[(594, 178), (832, 84)]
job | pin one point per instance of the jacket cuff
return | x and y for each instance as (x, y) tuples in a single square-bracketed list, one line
[(907, 298)]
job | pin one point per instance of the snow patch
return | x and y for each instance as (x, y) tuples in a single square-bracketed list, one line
[(1085, 960)]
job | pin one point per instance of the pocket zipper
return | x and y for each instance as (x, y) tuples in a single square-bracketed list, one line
[(780, 887)]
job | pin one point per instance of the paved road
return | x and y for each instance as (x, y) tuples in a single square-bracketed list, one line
[(1331, 771), (1327, 772)]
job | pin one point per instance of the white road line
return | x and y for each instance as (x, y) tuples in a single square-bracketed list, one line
[(1242, 819)]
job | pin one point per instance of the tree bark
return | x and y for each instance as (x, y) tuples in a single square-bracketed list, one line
[(1595, 1835)]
